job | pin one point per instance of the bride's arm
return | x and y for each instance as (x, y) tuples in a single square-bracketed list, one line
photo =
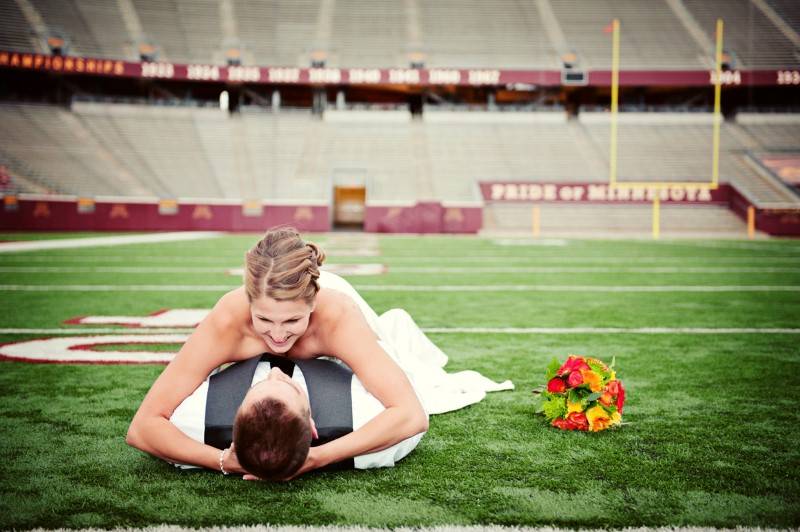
[(212, 343), (354, 342)]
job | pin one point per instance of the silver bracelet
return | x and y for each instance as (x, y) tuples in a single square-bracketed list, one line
[(221, 457)]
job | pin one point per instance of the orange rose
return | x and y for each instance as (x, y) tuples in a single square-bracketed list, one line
[(592, 379)]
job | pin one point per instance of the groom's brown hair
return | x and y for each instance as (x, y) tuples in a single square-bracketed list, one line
[(271, 441)]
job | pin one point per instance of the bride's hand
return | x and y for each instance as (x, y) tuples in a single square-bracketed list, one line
[(231, 463), (312, 462)]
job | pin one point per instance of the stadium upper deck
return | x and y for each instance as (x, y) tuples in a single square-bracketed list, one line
[(657, 35)]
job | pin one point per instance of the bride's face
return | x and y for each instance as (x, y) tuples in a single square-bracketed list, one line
[(280, 323)]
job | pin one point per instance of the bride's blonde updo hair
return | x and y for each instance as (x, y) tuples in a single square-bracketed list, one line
[(283, 267)]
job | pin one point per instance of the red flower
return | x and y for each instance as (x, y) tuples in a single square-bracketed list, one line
[(575, 379), (613, 387), (578, 420), (620, 398), (574, 421), (573, 363), (556, 385)]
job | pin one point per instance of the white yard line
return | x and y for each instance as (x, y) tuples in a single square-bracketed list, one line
[(577, 288), (407, 269), (114, 269), (224, 260), (77, 330), (609, 330), (114, 288), (771, 245), (440, 528), (117, 240), (590, 269), (401, 269), (407, 288)]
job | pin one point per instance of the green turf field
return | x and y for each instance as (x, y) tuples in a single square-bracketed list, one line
[(711, 435)]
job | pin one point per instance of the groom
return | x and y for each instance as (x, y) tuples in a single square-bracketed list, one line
[(274, 409)]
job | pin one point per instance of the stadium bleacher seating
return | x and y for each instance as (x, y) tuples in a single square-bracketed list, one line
[(279, 32), (187, 31), (446, 33), (678, 147), (93, 28), (501, 34), (772, 131), (651, 36), (15, 33), (749, 34), (189, 152), (368, 34), (788, 10)]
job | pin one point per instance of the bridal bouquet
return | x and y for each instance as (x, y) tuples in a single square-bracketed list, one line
[(581, 394)]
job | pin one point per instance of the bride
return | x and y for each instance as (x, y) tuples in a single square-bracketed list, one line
[(287, 307)]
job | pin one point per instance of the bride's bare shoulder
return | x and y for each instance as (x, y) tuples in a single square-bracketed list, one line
[(334, 306), (232, 310)]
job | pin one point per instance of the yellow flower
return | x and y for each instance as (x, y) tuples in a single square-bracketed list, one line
[(616, 418), (573, 407), (593, 380), (597, 362), (598, 418)]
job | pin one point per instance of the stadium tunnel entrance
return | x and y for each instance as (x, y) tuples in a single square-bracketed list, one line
[(349, 199)]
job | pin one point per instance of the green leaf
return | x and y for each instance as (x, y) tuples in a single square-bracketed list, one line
[(593, 396), (579, 394), (555, 407), (552, 368), (572, 396), (597, 368)]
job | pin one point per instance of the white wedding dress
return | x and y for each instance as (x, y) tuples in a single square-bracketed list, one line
[(419, 358)]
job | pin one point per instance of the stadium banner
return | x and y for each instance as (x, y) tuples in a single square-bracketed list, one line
[(528, 192), (51, 213), (269, 75)]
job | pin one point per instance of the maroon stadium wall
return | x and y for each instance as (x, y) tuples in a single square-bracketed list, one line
[(51, 213), (423, 217), (64, 214)]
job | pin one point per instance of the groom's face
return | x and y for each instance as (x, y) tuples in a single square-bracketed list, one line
[(279, 386)]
